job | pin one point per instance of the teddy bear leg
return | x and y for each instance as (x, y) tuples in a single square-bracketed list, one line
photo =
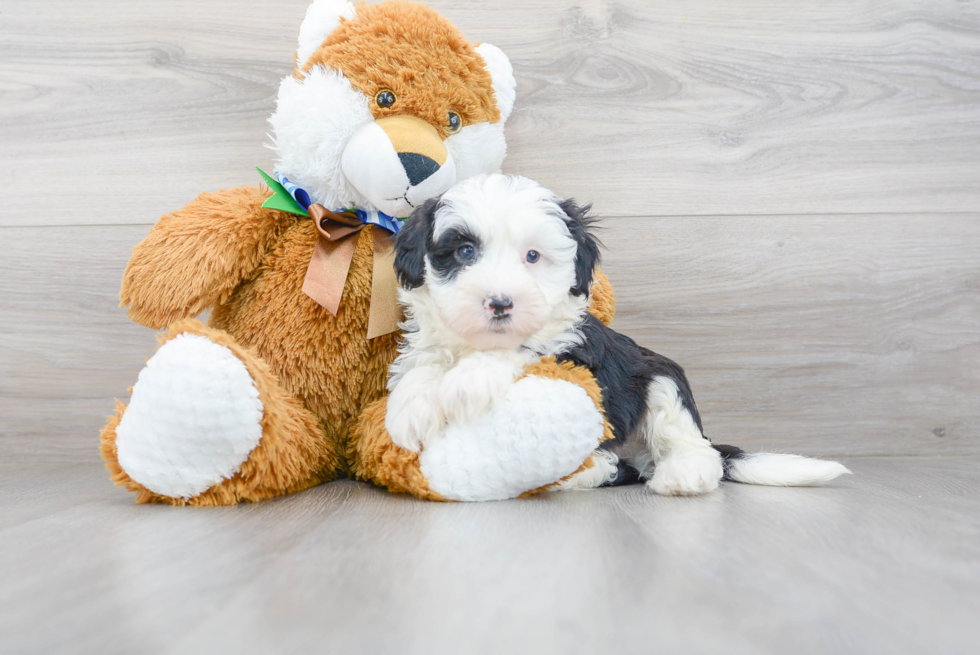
[(208, 424), (375, 458), (544, 432)]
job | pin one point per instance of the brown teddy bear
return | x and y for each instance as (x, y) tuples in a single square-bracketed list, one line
[(388, 106)]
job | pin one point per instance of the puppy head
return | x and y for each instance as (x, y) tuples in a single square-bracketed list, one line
[(496, 261)]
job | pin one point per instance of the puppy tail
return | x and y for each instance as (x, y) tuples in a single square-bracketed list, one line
[(777, 470)]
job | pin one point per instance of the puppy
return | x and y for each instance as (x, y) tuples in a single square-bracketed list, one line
[(495, 274)]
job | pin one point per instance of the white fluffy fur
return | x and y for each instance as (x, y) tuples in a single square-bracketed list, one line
[(602, 470), (504, 84), (779, 470), (342, 158), (371, 165), (448, 326), (310, 140), (415, 413), (194, 417), (446, 321), (430, 396), (327, 143), (322, 18), (458, 363), (539, 432), (477, 382), (684, 461), (478, 148)]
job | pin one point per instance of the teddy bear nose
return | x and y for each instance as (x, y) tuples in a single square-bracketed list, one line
[(419, 145), (417, 167)]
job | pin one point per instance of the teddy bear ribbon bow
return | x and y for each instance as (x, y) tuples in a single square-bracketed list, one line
[(334, 252)]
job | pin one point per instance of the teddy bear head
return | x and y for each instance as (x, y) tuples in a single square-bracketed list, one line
[(388, 106)]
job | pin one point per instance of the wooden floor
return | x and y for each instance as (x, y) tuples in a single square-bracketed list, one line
[(791, 193), (884, 561)]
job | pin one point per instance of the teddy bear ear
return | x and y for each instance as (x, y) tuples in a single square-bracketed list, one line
[(322, 18), (504, 84)]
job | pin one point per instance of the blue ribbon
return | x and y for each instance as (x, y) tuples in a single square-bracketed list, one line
[(375, 217)]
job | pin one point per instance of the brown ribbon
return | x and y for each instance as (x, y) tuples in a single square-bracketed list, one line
[(332, 256)]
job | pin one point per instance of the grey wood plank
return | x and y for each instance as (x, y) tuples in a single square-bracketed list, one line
[(115, 112), (30, 490), (820, 335), (66, 348), (828, 334), (886, 560), (105, 575)]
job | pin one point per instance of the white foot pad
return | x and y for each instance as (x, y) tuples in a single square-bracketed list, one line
[(543, 431), (192, 421)]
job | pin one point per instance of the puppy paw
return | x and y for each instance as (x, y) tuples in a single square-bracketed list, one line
[(687, 473), (414, 414), (475, 384)]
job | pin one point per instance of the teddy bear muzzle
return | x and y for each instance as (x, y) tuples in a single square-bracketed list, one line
[(398, 162)]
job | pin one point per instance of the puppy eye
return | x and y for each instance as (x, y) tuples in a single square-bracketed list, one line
[(455, 123), (385, 98), (532, 256), (466, 253)]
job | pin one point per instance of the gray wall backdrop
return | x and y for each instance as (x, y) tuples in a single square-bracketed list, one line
[(790, 190)]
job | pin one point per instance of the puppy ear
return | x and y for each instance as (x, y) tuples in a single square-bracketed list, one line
[(412, 243), (322, 18), (587, 257)]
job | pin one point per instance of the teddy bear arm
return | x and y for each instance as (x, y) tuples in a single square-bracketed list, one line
[(194, 257), (602, 299)]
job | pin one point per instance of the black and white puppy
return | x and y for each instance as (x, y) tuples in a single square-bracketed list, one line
[(496, 274)]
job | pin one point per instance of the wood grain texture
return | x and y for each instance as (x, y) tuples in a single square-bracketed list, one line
[(884, 561), (831, 334), (115, 112), (66, 349), (824, 335), (791, 191)]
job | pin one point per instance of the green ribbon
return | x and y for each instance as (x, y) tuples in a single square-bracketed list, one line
[(280, 199)]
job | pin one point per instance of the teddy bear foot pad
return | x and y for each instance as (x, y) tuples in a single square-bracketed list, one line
[(542, 431), (194, 417)]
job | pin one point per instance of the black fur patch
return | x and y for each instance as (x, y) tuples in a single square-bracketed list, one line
[(625, 474), (587, 257), (443, 254), (412, 243), (624, 370), (728, 455)]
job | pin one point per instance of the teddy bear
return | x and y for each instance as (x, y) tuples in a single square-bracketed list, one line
[(284, 387)]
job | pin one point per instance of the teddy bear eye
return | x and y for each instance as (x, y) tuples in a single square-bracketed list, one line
[(385, 98), (532, 256), (455, 122)]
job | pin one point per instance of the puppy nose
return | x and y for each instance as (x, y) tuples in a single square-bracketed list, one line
[(500, 305), (417, 167)]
